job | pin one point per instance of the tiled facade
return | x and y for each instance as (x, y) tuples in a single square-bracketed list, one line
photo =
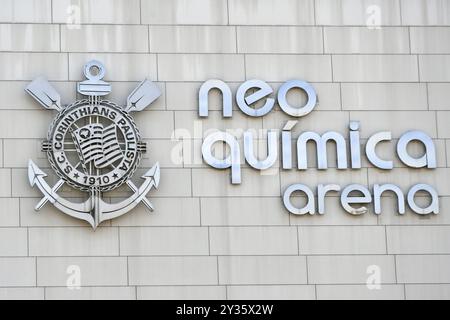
[(207, 238)]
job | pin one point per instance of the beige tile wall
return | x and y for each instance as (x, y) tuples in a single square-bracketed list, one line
[(208, 239)]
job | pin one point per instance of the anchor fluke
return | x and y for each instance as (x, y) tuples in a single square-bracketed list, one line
[(154, 174), (34, 173)]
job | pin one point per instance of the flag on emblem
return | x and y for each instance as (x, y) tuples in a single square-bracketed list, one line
[(97, 144)]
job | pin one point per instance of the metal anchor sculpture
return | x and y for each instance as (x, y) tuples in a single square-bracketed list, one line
[(94, 146)]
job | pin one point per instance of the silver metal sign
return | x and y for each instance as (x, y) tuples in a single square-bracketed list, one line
[(255, 90), (93, 145)]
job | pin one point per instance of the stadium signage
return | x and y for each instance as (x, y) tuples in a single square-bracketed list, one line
[(253, 98)]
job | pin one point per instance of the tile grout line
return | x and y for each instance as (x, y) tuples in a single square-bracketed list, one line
[(228, 13), (128, 271), (307, 270), (36, 270), (149, 46), (118, 238), (51, 11), (314, 13), (323, 39), (217, 270), (20, 209), (395, 268), (400, 12), (166, 104), (446, 150), (418, 67), (409, 39), (28, 242), (332, 69), (140, 11), (11, 182)]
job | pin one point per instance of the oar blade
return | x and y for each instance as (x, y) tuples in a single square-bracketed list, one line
[(141, 97), (43, 92)]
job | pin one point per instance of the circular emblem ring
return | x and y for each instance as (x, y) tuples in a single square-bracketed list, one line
[(94, 146)]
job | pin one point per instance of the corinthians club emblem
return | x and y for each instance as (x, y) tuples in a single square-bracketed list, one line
[(93, 145)]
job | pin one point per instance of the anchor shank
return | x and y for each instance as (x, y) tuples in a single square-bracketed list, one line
[(96, 204)]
